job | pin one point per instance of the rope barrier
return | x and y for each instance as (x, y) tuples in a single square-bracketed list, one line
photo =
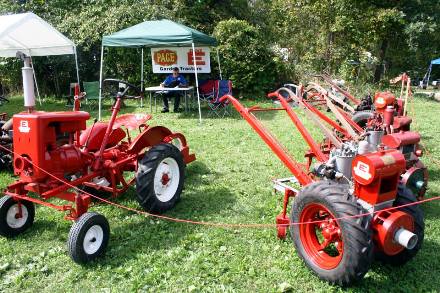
[(216, 224)]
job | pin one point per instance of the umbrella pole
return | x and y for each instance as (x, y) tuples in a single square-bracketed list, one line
[(35, 80), (77, 69), (219, 67), (429, 75), (100, 83), (197, 82), (142, 76)]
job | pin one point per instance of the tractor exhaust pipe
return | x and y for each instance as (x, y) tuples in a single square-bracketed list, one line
[(406, 238), (28, 81)]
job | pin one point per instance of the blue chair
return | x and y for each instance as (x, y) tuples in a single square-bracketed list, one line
[(221, 88)]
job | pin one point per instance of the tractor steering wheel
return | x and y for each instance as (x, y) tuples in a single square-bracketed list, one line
[(128, 86)]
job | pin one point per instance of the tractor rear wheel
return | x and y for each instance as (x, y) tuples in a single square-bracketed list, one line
[(160, 178), (405, 196), (338, 251), (88, 237), (11, 222)]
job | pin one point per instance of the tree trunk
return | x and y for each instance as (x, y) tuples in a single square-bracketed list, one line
[(382, 51)]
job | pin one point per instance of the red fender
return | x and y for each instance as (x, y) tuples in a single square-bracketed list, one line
[(156, 135), (148, 138)]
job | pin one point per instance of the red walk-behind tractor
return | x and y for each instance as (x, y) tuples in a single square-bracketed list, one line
[(343, 213), (54, 153), (386, 121)]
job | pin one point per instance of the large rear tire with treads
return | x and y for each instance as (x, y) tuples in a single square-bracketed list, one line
[(338, 251)]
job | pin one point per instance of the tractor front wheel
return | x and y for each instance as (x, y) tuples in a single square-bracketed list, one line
[(88, 237), (338, 251), (15, 217), (160, 178)]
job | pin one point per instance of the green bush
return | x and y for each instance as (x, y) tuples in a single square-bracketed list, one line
[(246, 58)]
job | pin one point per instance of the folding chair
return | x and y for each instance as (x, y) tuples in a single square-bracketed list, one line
[(91, 88), (221, 88), (207, 89)]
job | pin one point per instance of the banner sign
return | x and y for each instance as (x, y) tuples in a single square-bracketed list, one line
[(165, 59)]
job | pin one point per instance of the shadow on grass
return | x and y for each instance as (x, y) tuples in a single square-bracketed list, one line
[(431, 208), (141, 236), (418, 275), (148, 235)]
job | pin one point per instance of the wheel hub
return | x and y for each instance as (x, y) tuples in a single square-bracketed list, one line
[(322, 241), (166, 179), (93, 239), (17, 216)]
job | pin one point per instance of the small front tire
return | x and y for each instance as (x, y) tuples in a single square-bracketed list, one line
[(88, 237), (11, 222)]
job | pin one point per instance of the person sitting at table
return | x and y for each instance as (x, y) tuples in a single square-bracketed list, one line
[(173, 80)]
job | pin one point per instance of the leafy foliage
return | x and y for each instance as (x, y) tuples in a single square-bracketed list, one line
[(282, 39), (247, 60)]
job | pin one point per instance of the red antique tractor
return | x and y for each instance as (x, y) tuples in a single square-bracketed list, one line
[(385, 124), (57, 156), (346, 199)]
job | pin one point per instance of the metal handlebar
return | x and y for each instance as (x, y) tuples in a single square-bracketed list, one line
[(129, 86)]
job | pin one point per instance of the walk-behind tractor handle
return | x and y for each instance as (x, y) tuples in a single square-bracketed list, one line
[(128, 86)]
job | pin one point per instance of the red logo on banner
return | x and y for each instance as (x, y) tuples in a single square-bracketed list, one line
[(200, 57), (165, 57)]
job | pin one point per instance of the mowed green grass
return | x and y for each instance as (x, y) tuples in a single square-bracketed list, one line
[(230, 182)]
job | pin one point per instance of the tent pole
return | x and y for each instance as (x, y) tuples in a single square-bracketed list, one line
[(35, 80), (218, 61), (197, 82), (429, 75), (142, 75), (100, 83), (77, 69)]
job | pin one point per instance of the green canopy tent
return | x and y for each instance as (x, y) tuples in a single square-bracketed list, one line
[(159, 33)]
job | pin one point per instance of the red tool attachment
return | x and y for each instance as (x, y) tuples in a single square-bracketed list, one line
[(394, 232)]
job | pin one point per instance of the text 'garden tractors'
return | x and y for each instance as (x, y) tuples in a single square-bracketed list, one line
[(343, 213), (57, 156)]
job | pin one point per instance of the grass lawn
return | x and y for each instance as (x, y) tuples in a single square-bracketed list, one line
[(230, 183)]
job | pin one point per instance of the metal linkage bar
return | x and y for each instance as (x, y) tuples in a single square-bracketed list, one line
[(296, 168), (316, 149), (339, 89), (327, 132), (281, 184), (321, 115)]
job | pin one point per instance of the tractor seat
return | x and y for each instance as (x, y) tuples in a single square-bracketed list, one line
[(131, 121)]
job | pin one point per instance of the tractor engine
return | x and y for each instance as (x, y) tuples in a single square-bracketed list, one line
[(46, 140), (374, 175), (416, 175)]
